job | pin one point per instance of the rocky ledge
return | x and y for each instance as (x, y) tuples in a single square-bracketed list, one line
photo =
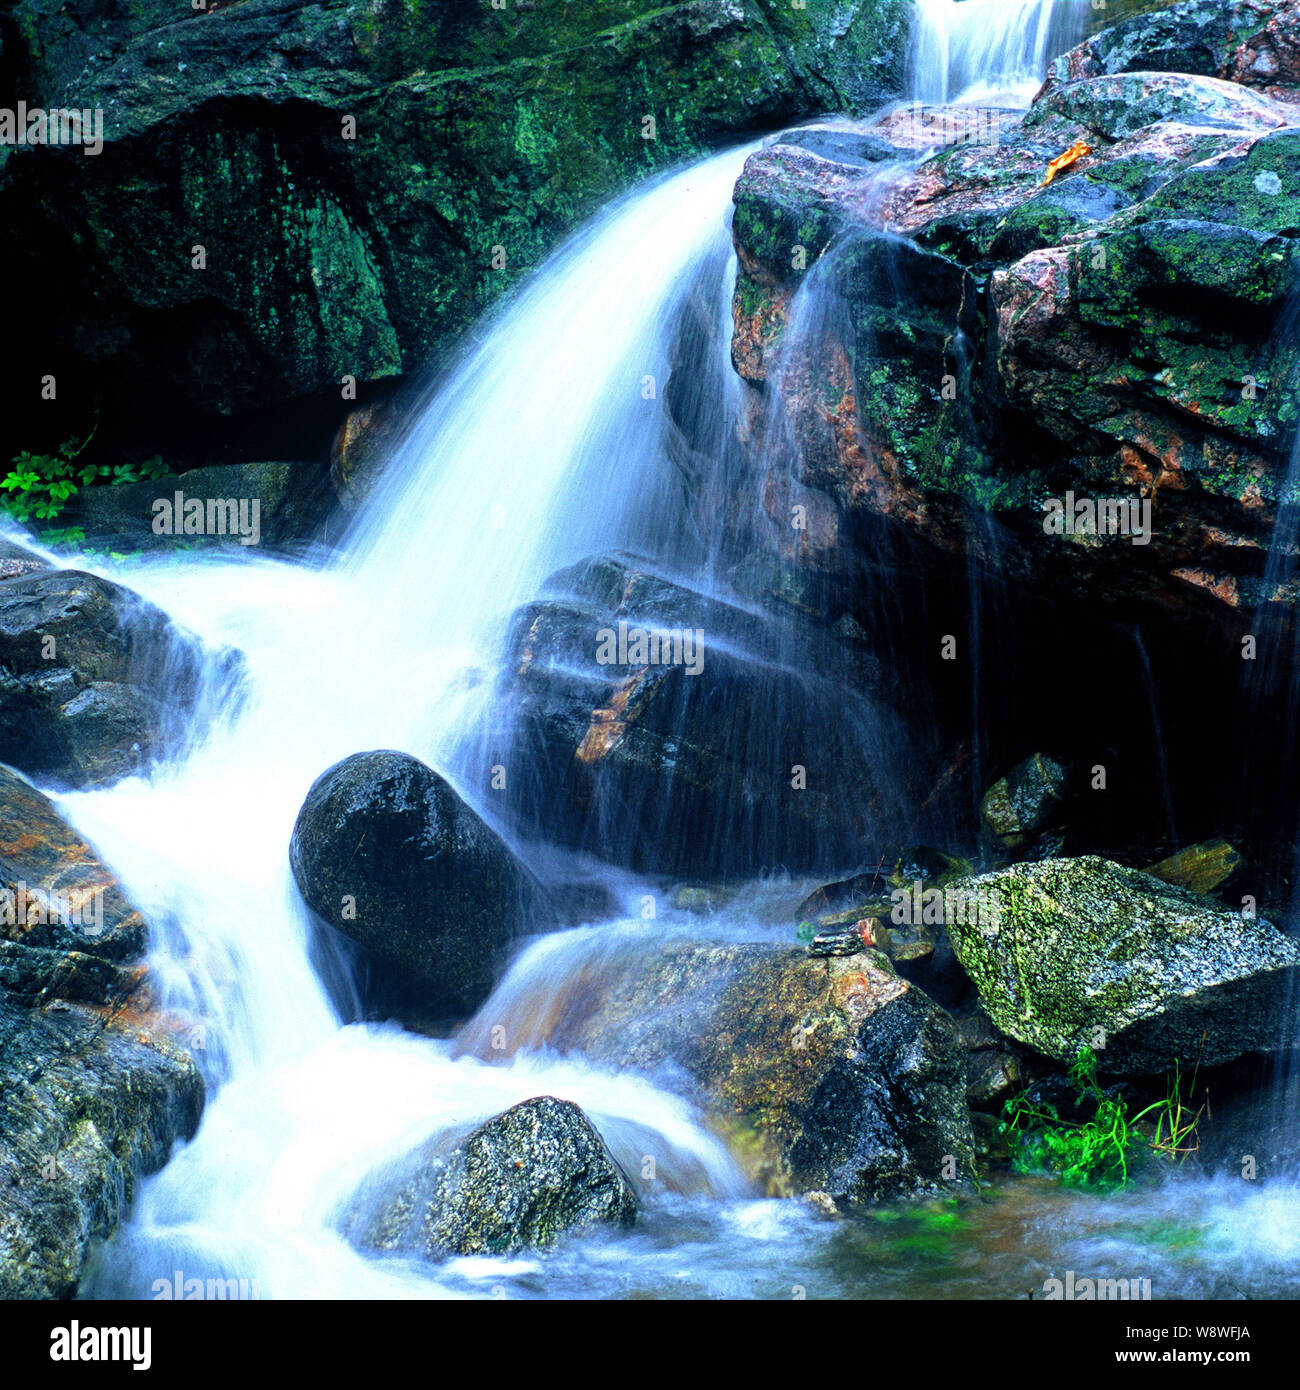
[(1119, 331)]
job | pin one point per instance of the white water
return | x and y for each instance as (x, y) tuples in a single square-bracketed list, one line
[(540, 448), (993, 51)]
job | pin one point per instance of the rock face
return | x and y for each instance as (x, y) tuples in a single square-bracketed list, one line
[(352, 170), (836, 1075), (731, 750), (92, 1092), (1113, 334), (88, 1102), (1256, 42), (522, 1179), (94, 681), (293, 500), (1073, 952), (385, 850)]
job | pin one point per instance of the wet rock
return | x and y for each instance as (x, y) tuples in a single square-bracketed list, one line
[(1200, 868), (521, 1180), (56, 894), (996, 1067), (1068, 953), (386, 851), (1025, 343), (1256, 42), (95, 1088), (95, 683), (16, 560), (835, 1074), (867, 890), (293, 503), (89, 1101), (353, 169), (720, 750), (1020, 805)]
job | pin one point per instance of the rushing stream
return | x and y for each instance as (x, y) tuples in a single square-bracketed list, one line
[(538, 449)]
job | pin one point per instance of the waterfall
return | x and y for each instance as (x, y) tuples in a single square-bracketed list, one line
[(547, 441), (993, 51)]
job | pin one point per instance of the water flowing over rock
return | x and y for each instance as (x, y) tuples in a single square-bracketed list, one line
[(1073, 953), (1116, 334), (837, 1075), (386, 851), (521, 1180), (84, 664), (682, 734), (93, 1092)]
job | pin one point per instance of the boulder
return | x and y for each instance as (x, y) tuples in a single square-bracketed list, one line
[(385, 850), (719, 751), (521, 1180), (96, 683), (1256, 42), (293, 503), (57, 897), (1068, 953), (1115, 334), (833, 1074), (1021, 804)]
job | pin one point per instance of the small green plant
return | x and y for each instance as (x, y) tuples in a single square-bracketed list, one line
[(1102, 1151), (39, 486)]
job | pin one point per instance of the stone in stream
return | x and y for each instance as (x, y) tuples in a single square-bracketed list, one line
[(734, 749), (386, 850), (93, 1092), (90, 1099), (1068, 953), (1017, 807), (521, 1180), (1200, 868), (95, 682), (832, 1074)]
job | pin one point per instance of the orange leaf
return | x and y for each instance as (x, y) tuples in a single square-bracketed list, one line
[(1063, 161)]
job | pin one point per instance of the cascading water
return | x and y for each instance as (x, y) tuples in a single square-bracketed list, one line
[(541, 447), (988, 50)]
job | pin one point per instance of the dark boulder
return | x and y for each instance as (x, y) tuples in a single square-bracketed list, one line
[(727, 746), (95, 683), (386, 851), (521, 1180)]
